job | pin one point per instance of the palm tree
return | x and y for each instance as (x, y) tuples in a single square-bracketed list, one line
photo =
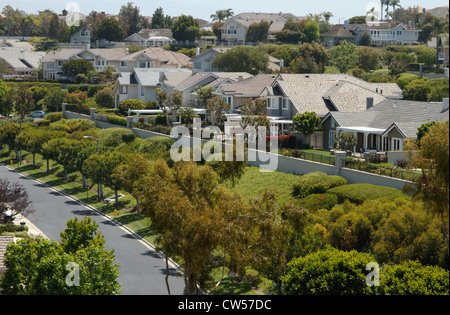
[(394, 3), (229, 13), (187, 115), (219, 16)]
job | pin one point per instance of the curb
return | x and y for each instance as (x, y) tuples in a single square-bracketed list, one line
[(134, 234)]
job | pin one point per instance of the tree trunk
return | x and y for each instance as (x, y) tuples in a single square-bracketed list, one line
[(84, 181), (34, 159), (48, 166), (65, 174), (167, 274), (445, 229), (117, 198)]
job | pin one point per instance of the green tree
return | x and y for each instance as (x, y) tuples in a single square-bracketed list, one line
[(130, 19), (311, 31), (344, 56), (159, 20), (110, 30), (258, 32), (369, 58), (55, 97), (74, 67), (104, 98), (180, 27), (242, 59), (328, 272), (40, 267), (306, 123)]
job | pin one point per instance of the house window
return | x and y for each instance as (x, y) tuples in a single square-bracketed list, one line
[(50, 66), (332, 136), (51, 76), (228, 99), (123, 89), (84, 34), (197, 65), (285, 105), (124, 64), (397, 144), (60, 63), (144, 64), (231, 30)]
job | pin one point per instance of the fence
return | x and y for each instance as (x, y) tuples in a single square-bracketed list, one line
[(393, 172)]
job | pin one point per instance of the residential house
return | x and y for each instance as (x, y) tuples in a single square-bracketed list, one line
[(203, 62), (291, 94), (81, 37), (382, 33), (383, 126), (234, 93), (234, 31), (141, 83), (100, 58), (22, 62), (153, 57), (190, 84), (151, 37)]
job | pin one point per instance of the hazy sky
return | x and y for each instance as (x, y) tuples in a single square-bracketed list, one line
[(204, 8)]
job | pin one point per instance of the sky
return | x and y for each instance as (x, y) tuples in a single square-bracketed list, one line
[(202, 9)]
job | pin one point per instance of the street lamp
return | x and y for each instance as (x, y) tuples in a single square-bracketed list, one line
[(98, 150)]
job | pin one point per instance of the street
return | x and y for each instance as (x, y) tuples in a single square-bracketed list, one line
[(142, 269)]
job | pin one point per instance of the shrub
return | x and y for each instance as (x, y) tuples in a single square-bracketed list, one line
[(412, 278), (158, 143), (113, 137), (318, 201), (76, 98), (131, 104), (52, 117), (72, 125), (94, 89), (117, 120), (358, 193), (328, 272), (316, 183), (160, 119), (289, 142), (104, 98)]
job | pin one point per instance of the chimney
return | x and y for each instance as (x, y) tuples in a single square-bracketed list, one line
[(197, 51), (445, 104), (240, 78), (127, 51), (88, 46), (346, 24), (369, 102), (281, 62)]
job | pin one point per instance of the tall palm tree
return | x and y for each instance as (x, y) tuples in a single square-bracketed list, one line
[(229, 13), (219, 16), (395, 3)]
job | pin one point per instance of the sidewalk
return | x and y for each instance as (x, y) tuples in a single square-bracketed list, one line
[(33, 231)]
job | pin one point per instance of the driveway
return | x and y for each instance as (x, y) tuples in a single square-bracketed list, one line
[(141, 269)]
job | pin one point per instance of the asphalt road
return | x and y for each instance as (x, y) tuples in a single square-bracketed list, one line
[(141, 269)]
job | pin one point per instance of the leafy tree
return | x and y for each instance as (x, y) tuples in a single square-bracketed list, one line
[(110, 30), (258, 32), (242, 59), (215, 108), (432, 157), (39, 266), (77, 66), (159, 20), (14, 197), (328, 272), (345, 141), (369, 59), (365, 39), (344, 56), (180, 27), (413, 278), (104, 98), (306, 123), (6, 99), (311, 31), (423, 129), (130, 19), (54, 99)]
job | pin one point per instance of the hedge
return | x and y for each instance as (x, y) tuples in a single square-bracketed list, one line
[(12, 228), (316, 183), (113, 137), (357, 193), (318, 201), (117, 120)]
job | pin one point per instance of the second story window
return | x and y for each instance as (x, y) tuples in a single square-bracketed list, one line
[(232, 30), (123, 89), (124, 64)]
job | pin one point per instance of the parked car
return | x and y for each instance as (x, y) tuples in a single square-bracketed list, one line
[(2, 117), (37, 114)]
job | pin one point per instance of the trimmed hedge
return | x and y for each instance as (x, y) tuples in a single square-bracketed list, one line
[(12, 228), (358, 193), (316, 183), (318, 201), (113, 137)]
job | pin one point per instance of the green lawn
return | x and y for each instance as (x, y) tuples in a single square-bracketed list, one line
[(253, 181)]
